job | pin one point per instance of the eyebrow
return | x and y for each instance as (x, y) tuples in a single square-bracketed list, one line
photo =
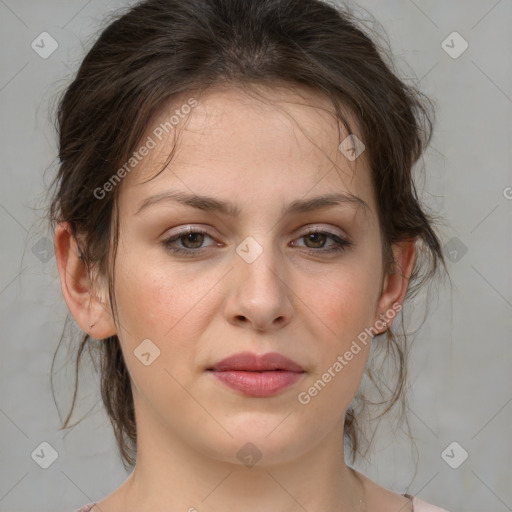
[(211, 204)]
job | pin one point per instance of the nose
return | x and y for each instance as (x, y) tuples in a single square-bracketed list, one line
[(260, 293)]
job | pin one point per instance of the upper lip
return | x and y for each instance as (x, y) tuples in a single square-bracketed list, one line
[(248, 361)]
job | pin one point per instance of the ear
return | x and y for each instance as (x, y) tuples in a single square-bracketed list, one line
[(396, 283), (91, 313)]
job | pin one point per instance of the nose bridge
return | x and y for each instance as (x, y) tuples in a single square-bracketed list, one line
[(259, 294), (260, 263)]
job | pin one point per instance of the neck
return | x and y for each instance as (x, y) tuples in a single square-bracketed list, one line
[(170, 475)]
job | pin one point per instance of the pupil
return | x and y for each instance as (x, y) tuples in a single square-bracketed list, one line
[(314, 237), (190, 238)]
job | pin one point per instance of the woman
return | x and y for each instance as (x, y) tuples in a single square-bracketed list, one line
[(235, 221)]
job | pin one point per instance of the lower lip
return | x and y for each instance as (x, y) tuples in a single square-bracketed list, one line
[(258, 383)]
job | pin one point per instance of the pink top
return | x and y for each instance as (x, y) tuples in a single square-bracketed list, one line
[(422, 506), (417, 504)]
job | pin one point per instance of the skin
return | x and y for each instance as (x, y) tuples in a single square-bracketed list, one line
[(198, 310)]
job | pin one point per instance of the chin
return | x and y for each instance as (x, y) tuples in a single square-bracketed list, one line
[(262, 441)]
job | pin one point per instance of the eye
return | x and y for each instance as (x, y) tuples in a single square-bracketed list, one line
[(316, 239), (191, 240)]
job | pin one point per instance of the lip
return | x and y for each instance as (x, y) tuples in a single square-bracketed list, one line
[(250, 362), (257, 376)]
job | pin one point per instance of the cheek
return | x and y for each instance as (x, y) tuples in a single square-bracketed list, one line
[(166, 304), (340, 307), (163, 306), (151, 294), (342, 303), (149, 302)]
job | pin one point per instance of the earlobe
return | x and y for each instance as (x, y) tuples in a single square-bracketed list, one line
[(396, 283), (90, 313)]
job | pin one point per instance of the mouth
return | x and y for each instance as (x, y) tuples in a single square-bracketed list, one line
[(257, 376), (249, 362)]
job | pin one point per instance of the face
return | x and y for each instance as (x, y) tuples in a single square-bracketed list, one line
[(302, 282)]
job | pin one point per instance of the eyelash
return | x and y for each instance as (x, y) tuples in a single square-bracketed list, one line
[(342, 244)]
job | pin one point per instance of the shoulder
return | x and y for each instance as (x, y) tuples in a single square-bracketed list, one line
[(385, 500), (423, 506), (85, 508)]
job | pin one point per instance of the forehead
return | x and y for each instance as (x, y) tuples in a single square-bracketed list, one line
[(278, 142)]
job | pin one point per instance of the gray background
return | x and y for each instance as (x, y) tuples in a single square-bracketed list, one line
[(461, 379)]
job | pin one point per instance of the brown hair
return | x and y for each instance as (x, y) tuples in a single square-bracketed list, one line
[(159, 48)]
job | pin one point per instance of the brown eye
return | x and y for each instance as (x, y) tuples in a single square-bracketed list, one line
[(194, 239), (189, 242), (317, 239)]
